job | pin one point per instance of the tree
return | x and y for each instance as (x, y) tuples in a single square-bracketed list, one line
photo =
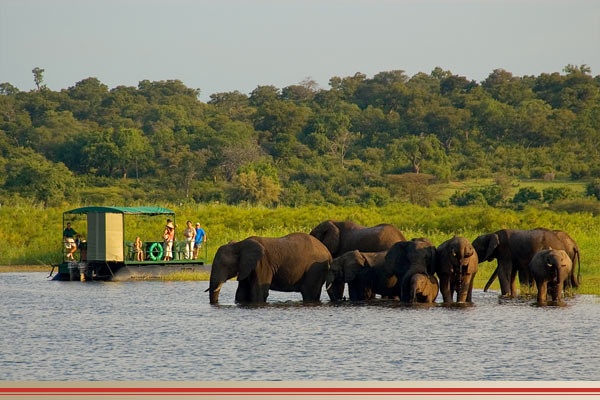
[(257, 184), (423, 150), (134, 148), (38, 78), (31, 175)]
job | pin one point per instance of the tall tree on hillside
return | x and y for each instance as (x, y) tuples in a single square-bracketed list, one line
[(38, 78)]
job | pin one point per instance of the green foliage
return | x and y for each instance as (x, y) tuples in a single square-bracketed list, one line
[(527, 195), (593, 188), (340, 144), (224, 223), (554, 194)]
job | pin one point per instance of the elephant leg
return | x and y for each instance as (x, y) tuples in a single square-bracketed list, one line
[(470, 292), (513, 283), (355, 292), (542, 286), (445, 288), (504, 274), (463, 290), (407, 289), (242, 294), (259, 292)]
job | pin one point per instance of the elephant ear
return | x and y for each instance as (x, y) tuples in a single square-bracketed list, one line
[(353, 265), (395, 256), (251, 252), (431, 260), (328, 233), (493, 243), (443, 263), (473, 261)]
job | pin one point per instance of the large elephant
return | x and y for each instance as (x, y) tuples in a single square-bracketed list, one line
[(551, 269), (403, 260), (514, 249), (423, 288), (342, 236), (456, 265), (297, 262), (572, 250), (358, 270)]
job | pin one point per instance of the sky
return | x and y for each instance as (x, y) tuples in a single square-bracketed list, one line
[(227, 45)]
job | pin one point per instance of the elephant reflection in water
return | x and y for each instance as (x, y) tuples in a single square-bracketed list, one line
[(297, 262), (342, 236)]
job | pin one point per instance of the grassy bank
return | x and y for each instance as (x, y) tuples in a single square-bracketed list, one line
[(35, 233)]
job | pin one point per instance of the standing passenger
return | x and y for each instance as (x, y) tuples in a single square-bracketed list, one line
[(69, 240), (189, 233), (169, 237), (200, 238)]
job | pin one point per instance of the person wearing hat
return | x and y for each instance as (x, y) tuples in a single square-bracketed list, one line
[(169, 237), (198, 239), (189, 233)]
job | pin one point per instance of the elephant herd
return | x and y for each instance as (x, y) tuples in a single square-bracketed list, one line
[(380, 261)]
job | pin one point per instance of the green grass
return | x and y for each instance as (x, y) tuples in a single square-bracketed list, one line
[(33, 234)]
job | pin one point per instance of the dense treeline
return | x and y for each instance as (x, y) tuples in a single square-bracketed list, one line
[(362, 141)]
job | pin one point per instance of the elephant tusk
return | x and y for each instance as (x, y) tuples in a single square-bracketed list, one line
[(328, 285)]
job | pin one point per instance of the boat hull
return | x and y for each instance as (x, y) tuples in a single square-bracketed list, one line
[(120, 271)]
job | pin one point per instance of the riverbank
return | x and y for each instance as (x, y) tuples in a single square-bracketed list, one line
[(203, 275), (590, 284)]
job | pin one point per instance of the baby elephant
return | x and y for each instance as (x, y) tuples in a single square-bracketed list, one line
[(550, 269), (423, 288)]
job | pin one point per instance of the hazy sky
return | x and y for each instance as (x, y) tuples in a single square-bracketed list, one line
[(225, 45)]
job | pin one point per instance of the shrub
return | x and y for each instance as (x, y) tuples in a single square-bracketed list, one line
[(526, 195), (472, 197), (552, 194), (593, 189)]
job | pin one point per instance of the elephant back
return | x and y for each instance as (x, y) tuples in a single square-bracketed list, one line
[(370, 239), (343, 236)]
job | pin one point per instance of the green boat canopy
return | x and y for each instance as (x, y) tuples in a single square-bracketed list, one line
[(146, 210)]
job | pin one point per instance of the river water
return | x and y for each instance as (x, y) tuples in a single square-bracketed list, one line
[(167, 331)]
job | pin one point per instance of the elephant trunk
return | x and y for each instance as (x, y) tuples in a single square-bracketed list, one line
[(213, 291), (330, 278)]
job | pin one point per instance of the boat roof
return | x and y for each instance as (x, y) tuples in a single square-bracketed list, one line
[(146, 210)]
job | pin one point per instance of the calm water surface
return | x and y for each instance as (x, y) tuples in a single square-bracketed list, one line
[(161, 331)]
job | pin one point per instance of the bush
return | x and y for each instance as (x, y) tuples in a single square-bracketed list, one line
[(593, 189), (473, 197), (553, 194), (526, 195)]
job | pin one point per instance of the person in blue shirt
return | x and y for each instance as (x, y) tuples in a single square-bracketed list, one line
[(199, 240)]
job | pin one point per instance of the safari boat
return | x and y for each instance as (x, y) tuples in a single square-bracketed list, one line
[(105, 250)]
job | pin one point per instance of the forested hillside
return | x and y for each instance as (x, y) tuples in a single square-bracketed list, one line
[(364, 140)]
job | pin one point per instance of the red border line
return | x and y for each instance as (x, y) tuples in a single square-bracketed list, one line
[(288, 391)]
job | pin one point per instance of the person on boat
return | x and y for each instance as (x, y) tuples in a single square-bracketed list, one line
[(69, 240), (199, 239), (169, 238), (189, 233), (137, 249)]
